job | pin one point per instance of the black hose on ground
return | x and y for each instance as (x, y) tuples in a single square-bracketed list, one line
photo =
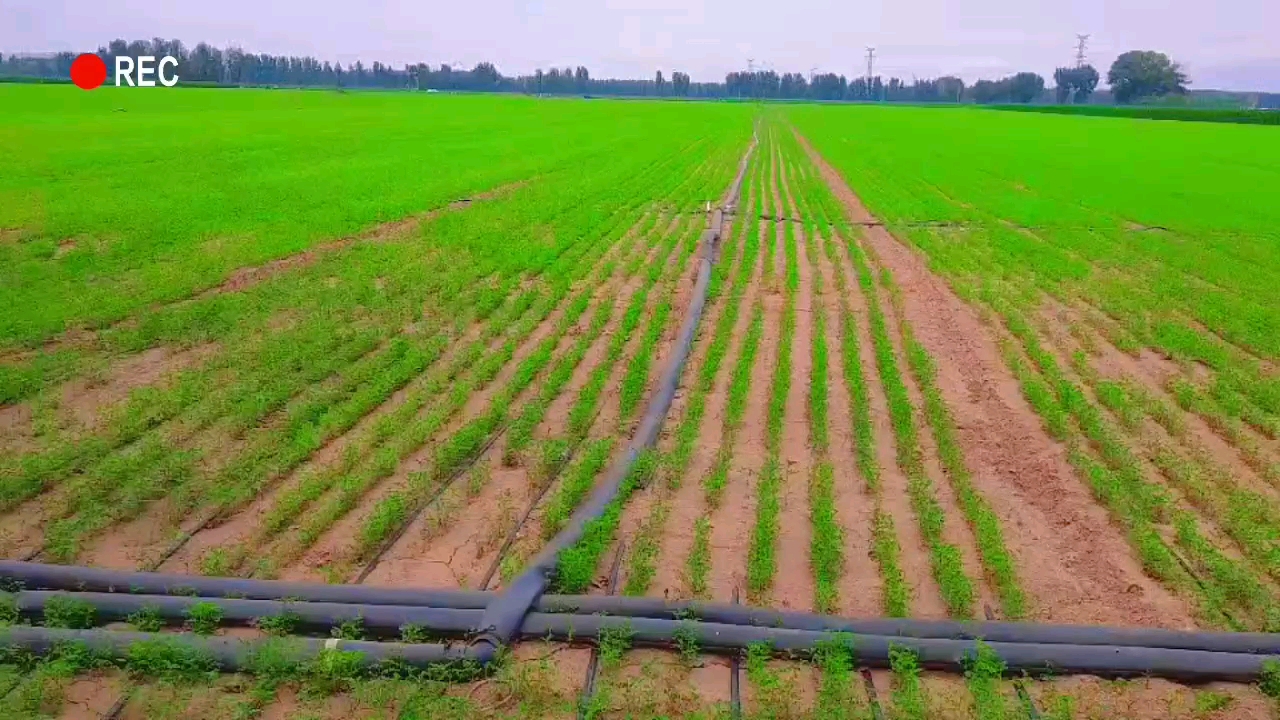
[(872, 650), (504, 616), (60, 577)]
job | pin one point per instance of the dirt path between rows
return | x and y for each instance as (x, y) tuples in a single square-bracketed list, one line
[(1074, 564), (956, 530)]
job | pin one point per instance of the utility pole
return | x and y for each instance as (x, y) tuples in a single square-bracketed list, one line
[(1080, 47)]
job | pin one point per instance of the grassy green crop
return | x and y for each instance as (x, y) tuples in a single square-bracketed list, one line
[(826, 552), (361, 311), (884, 538), (1139, 251), (983, 677), (207, 197), (908, 692)]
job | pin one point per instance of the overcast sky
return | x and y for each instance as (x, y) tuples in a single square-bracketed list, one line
[(1227, 44)]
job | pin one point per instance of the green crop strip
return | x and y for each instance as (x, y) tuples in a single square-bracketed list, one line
[(697, 565), (826, 552), (775, 692), (908, 692), (1139, 506), (983, 674), (761, 559), (837, 698), (384, 455), (1249, 519), (885, 548)]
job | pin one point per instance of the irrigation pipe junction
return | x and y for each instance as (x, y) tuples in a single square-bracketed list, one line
[(474, 625)]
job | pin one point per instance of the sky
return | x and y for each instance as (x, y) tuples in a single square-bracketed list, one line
[(1227, 44)]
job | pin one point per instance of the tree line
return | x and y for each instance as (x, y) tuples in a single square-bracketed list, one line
[(1134, 75)]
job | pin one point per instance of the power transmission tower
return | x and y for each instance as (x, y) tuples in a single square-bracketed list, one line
[(1080, 47), (871, 60), (751, 65), (812, 70)]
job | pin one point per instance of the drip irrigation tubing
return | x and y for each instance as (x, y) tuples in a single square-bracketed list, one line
[(436, 494), (877, 712), (593, 665), (19, 575)]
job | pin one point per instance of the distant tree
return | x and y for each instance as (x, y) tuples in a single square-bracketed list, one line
[(950, 89), (581, 79), (485, 76), (1025, 87), (828, 86), (1075, 84), (679, 84), (659, 82), (1145, 73)]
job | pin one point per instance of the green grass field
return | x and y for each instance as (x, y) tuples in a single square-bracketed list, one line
[(954, 363)]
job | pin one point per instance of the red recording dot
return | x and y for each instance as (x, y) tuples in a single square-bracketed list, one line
[(88, 71)]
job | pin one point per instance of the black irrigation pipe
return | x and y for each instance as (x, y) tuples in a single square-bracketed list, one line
[(504, 617), (593, 665), (18, 575), (872, 650)]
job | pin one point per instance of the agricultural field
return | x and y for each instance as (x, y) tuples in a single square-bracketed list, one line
[(953, 363)]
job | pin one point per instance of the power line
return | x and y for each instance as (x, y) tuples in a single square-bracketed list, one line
[(1080, 48)]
